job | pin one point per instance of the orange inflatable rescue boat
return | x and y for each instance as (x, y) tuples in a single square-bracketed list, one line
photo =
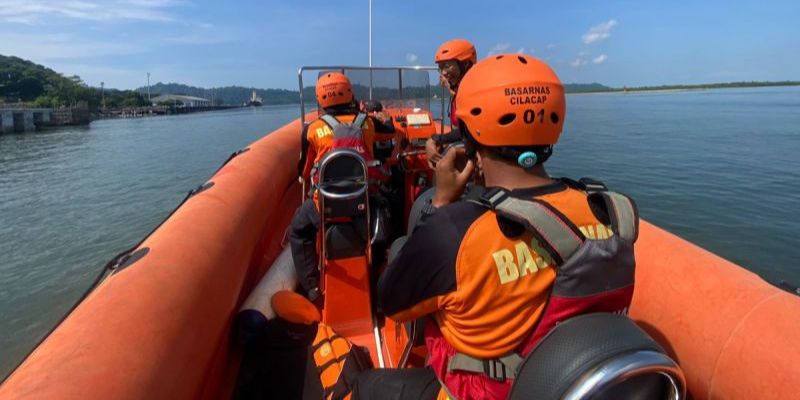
[(203, 308)]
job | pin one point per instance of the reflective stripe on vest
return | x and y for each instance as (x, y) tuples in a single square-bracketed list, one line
[(354, 134), (560, 237), (358, 121), (351, 135), (624, 221)]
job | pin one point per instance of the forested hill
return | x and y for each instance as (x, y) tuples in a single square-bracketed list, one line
[(28, 82), (22, 79), (586, 88)]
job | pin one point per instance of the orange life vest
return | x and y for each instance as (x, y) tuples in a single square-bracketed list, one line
[(338, 362)]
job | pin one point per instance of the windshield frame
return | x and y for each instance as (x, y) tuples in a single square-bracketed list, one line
[(344, 68)]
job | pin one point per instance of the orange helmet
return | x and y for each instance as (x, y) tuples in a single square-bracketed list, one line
[(333, 89), (456, 49), (511, 100)]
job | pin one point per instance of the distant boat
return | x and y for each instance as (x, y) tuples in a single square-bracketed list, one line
[(255, 101)]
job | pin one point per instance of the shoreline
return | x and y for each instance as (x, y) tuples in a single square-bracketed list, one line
[(651, 91), (156, 111), (688, 88)]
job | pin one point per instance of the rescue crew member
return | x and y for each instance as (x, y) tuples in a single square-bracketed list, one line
[(454, 58), (384, 141), (382, 120), (484, 281), (335, 96)]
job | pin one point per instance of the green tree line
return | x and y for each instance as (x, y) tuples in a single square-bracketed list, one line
[(239, 94), (231, 95), (28, 82), (727, 85)]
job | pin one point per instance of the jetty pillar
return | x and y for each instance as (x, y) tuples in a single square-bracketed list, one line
[(28, 122), (41, 117), (6, 121)]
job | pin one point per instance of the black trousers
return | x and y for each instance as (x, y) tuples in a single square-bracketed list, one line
[(397, 384), (303, 239)]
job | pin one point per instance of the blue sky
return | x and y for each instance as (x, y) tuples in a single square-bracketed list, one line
[(262, 43)]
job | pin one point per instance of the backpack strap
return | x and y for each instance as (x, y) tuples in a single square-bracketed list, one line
[(499, 369), (360, 119), (559, 236), (622, 213), (330, 120), (333, 122)]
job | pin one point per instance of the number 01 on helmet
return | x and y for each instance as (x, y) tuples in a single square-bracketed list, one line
[(511, 100)]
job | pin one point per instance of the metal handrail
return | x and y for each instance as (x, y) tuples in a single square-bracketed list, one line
[(362, 68), (323, 165), (627, 366), (409, 153), (343, 196)]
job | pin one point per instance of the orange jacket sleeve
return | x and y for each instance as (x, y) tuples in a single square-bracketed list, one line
[(311, 154), (369, 135)]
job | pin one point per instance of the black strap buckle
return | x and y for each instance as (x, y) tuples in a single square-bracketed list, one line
[(493, 197), (495, 369), (593, 185)]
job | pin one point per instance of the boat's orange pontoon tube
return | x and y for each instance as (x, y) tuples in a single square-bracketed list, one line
[(160, 326)]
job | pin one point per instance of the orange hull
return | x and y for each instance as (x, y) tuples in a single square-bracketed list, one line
[(734, 335), (160, 328)]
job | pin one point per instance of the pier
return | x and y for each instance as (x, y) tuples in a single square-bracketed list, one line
[(137, 112), (20, 119), (24, 119)]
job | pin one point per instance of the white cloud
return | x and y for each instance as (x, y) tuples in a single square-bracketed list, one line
[(196, 39), (63, 46), (579, 62), (20, 20), (499, 48), (599, 32), (114, 77), (600, 59), (196, 34), (551, 46), (411, 58), (521, 50), (33, 11)]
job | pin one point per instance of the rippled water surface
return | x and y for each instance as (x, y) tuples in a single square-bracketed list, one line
[(719, 167)]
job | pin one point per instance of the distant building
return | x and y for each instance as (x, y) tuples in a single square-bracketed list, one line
[(182, 101)]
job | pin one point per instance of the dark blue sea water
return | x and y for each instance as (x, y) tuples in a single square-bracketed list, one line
[(718, 167)]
